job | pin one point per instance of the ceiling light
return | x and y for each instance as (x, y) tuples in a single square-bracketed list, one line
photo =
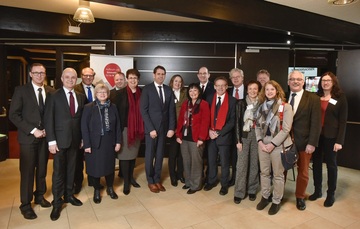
[(341, 2), (83, 14)]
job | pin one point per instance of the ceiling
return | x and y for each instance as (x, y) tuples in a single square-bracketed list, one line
[(349, 13)]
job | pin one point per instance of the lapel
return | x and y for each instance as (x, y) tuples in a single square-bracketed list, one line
[(30, 91), (302, 104), (156, 93)]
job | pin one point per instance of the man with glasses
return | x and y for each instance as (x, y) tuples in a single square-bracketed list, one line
[(306, 129), (87, 88), (27, 113)]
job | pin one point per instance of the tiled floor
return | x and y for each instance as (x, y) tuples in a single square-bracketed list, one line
[(176, 209)]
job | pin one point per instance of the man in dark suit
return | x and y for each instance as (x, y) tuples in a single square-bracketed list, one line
[(238, 91), (306, 128), (27, 112), (87, 88), (63, 132), (157, 108), (222, 108), (206, 86), (120, 82)]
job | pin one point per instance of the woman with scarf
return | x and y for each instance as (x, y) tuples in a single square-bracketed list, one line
[(274, 121), (101, 133), (192, 132), (247, 166), (127, 102)]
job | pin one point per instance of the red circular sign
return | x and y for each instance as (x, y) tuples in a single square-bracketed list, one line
[(109, 72)]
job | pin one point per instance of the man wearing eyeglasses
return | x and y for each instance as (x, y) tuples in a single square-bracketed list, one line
[(87, 88), (306, 128), (27, 112)]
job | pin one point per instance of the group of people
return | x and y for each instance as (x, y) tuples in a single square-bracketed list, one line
[(245, 127)]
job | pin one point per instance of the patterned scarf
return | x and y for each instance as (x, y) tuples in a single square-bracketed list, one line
[(249, 114), (190, 110), (269, 118), (104, 107), (135, 122)]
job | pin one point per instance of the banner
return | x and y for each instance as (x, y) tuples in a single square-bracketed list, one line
[(105, 67)]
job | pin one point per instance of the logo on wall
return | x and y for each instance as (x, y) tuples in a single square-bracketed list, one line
[(109, 72)]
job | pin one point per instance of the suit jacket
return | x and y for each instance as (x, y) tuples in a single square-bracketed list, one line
[(209, 91), (178, 103), (227, 132), (113, 93), (91, 126), (231, 91), (24, 111), (156, 115), (60, 126), (79, 88), (335, 120), (307, 121), (200, 122)]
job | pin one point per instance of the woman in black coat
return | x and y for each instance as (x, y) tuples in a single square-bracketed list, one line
[(101, 133)]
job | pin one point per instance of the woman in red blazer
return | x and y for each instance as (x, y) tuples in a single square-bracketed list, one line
[(192, 131), (333, 119)]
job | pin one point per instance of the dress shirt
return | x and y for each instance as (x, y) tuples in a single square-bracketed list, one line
[(297, 99), (162, 88)]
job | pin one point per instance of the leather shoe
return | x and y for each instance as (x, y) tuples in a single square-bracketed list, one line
[(190, 191), (231, 182), (135, 184), (223, 191), (73, 200), (185, 187), (126, 191), (29, 214), (252, 197), (55, 213), (208, 187), (110, 191), (43, 203), (97, 197), (182, 180), (237, 200), (160, 187), (329, 201), (315, 196), (300, 204), (153, 188), (274, 209), (262, 204), (174, 182)]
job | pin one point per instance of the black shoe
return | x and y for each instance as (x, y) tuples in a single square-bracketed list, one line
[(43, 203), (135, 184), (223, 191), (73, 200), (182, 180), (174, 182), (29, 214), (110, 191), (315, 196), (262, 204), (208, 187), (237, 200), (185, 187), (190, 191), (55, 213), (231, 182), (274, 209), (252, 197), (97, 197), (126, 191), (329, 201), (300, 204)]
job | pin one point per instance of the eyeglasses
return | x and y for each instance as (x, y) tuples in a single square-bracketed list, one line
[(132, 78), (88, 76), (202, 73), (295, 79), (38, 73), (101, 92), (326, 81), (221, 85)]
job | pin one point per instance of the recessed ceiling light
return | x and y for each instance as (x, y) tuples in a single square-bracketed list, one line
[(341, 2)]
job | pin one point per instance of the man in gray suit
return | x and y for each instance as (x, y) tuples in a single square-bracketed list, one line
[(306, 128), (27, 112), (63, 132), (157, 106)]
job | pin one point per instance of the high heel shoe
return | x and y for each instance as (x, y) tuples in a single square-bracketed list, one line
[(110, 191), (97, 197), (134, 184)]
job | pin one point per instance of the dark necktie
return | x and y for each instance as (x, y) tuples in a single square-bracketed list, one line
[(217, 108), (161, 94), (237, 93), (41, 102), (72, 104), (90, 98), (292, 102), (202, 88)]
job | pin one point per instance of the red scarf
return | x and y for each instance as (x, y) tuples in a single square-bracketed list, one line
[(222, 113), (135, 122)]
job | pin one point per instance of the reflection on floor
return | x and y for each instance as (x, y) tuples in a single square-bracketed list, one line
[(176, 209)]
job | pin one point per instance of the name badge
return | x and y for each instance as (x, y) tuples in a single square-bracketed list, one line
[(332, 101), (281, 108), (251, 106)]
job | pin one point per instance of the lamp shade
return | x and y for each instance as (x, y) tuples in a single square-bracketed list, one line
[(84, 15)]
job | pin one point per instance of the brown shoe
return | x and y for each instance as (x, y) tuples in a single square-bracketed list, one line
[(160, 187), (153, 188)]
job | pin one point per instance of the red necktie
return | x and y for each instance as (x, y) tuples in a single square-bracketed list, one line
[(237, 93), (72, 104)]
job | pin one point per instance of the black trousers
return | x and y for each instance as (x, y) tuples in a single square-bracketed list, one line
[(175, 162), (233, 160), (224, 152), (33, 164), (79, 170), (96, 181), (127, 171)]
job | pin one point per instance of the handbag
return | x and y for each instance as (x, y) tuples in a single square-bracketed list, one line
[(290, 154)]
